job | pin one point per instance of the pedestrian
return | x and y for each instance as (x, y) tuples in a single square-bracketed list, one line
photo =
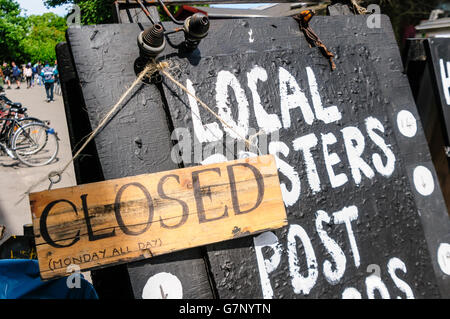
[(28, 73), (33, 75), (7, 74), (41, 80), (16, 73), (38, 77), (48, 74), (23, 78)]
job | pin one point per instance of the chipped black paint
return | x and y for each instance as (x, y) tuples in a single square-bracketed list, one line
[(367, 83), (136, 141), (439, 52)]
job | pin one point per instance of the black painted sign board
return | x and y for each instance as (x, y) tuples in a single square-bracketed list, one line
[(366, 214), (439, 52), (137, 140), (356, 174)]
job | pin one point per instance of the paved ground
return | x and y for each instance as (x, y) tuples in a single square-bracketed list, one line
[(15, 178)]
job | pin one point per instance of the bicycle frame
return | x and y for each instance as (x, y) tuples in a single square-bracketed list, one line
[(7, 131), (12, 123)]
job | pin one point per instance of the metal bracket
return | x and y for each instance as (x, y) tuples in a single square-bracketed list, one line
[(447, 150)]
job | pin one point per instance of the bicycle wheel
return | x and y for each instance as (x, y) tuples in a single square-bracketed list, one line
[(30, 140), (35, 144), (24, 121)]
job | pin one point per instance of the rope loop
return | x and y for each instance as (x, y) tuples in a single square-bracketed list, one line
[(53, 175), (151, 68)]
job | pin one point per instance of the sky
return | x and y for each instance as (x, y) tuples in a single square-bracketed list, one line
[(37, 7)]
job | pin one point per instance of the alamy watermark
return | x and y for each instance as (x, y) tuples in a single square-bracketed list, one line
[(187, 150), (74, 19), (374, 18), (374, 269), (74, 280)]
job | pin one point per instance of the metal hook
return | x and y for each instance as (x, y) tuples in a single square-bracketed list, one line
[(51, 178)]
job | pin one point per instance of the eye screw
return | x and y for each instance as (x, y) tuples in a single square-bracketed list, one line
[(196, 28), (151, 42)]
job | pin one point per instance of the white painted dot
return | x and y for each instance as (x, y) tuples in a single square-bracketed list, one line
[(443, 256), (407, 123), (423, 180), (351, 293), (163, 286)]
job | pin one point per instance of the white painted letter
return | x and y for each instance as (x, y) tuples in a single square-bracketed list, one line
[(351, 293), (328, 115), (333, 277), (374, 283), (445, 77), (292, 98), (267, 122), (205, 133), (385, 170), (301, 284), (305, 143), (226, 79), (267, 266), (332, 159), (393, 265), (292, 196), (346, 216), (354, 153)]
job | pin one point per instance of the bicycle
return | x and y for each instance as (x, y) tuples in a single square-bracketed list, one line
[(29, 140), (16, 109), (9, 109)]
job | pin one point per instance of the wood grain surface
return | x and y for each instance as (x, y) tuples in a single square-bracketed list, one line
[(139, 217)]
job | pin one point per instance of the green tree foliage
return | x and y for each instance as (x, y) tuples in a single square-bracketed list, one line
[(28, 39), (92, 11), (13, 28), (44, 33), (99, 11)]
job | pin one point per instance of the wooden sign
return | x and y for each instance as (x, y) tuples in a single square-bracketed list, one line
[(365, 210), (359, 187), (139, 217), (439, 56)]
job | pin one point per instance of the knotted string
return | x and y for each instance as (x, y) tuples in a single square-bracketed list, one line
[(150, 69)]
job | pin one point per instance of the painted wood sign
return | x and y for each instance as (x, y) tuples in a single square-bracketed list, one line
[(139, 217), (439, 50), (136, 141), (361, 194), (356, 175)]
